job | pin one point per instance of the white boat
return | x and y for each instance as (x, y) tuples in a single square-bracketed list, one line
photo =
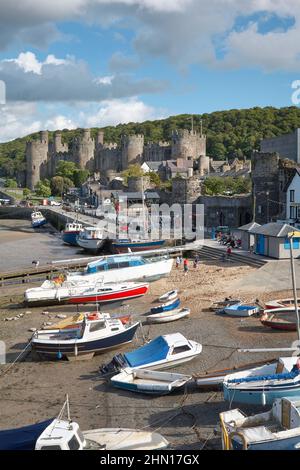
[(37, 219), (281, 303), (241, 310), (91, 337), (148, 381), (277, 429), (171, 295), (165, 317), (70, 292), (263, 385), (161, 353), (66, 435), (124, 268), (91, 239)]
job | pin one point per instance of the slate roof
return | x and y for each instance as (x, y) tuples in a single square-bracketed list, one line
[(249, 227), (273, 229)]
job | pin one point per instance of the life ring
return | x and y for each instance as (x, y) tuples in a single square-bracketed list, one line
[(93, 316)]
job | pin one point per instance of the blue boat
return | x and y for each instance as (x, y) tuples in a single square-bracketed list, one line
[(167, 307), (263, 385), (70, 233), (161, 353), (37, 219), (123, 246), (241, 310), (277, 429), (22, 438)]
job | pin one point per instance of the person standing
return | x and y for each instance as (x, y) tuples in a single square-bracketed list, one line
[(185, 266), (177, 261)]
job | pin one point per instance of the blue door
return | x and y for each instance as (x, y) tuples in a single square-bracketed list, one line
[(260, 245)]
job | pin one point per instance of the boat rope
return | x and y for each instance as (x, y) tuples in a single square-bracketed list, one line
[(2, 373)]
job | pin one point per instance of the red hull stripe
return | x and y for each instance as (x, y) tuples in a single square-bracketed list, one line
[(119, 295)]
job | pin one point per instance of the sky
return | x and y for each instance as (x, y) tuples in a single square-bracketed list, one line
[(92, 63)]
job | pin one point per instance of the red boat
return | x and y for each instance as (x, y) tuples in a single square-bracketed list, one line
[(109, 293)]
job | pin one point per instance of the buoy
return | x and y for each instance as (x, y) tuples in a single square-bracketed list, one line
[(263, 399), (59, 355)]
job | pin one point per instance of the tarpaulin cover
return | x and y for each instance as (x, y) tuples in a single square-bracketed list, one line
[(22, 438), (156, 350)]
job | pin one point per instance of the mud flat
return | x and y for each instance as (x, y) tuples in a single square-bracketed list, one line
[(34, 390)]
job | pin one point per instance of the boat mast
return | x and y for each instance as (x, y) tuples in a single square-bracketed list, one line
[(291, 236)]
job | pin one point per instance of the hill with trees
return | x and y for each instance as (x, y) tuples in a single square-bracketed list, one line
[(230, 134)]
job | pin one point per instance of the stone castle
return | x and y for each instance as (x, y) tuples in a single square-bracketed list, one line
[(108, 159)]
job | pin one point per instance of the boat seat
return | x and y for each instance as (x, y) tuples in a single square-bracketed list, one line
[(257, 433)]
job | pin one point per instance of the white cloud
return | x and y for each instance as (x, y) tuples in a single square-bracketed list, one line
[(21, 119), (60, 80)]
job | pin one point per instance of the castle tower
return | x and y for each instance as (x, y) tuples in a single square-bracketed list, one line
[(36, 159), (187, 144), (204, 165), (100, 138), (84, 150), (132, 150), (58, 145)]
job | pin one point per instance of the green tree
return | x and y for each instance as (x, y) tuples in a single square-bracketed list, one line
[(133, 171), (66, 169), (42, 190), (59, 185), (26, 193), (11, 183), (155, 179), (80, 177)]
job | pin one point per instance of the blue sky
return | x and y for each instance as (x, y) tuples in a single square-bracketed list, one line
[(81, 63)]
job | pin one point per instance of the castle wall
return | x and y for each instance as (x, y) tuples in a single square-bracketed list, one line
[(132, 150), (36, 160), (188, 144)]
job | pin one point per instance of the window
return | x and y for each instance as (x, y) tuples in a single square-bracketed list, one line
[(73, 443), (51, 448), (181, 349), (286, 244), (99, 325), (292, 212), (292, 195)]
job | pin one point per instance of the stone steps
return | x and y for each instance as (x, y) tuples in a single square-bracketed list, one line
[(209, 253)]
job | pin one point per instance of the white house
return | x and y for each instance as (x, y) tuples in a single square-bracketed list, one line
[(293, 199), (148, 167)]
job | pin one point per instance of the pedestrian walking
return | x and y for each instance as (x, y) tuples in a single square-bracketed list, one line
[(177, 261)]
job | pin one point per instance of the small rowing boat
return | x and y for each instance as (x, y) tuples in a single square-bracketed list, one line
[(149, 381), (172, 315), (280, 319), (280, 303), (171, 295), (239, 310), (171, 305)]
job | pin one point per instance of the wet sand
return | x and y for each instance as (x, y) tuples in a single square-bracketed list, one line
[(35, 390)]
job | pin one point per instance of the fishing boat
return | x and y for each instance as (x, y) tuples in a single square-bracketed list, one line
[(124, 268), (281, 303), (171, 295), (92, 239), (51, 293), (161, 353), (240, 310), (171, 305), (277, 429), (37, 219), (149, 382), (127, 245), (280, 319), (264, 384), (94, 336), (165, 317), (71, 232)]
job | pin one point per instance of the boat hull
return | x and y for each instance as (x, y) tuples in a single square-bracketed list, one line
[(91, 245), (70, 237), (255, 397), (136, 246), (292, 443), (123, 295), (165, 308), (38, 223), (77, 348)]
